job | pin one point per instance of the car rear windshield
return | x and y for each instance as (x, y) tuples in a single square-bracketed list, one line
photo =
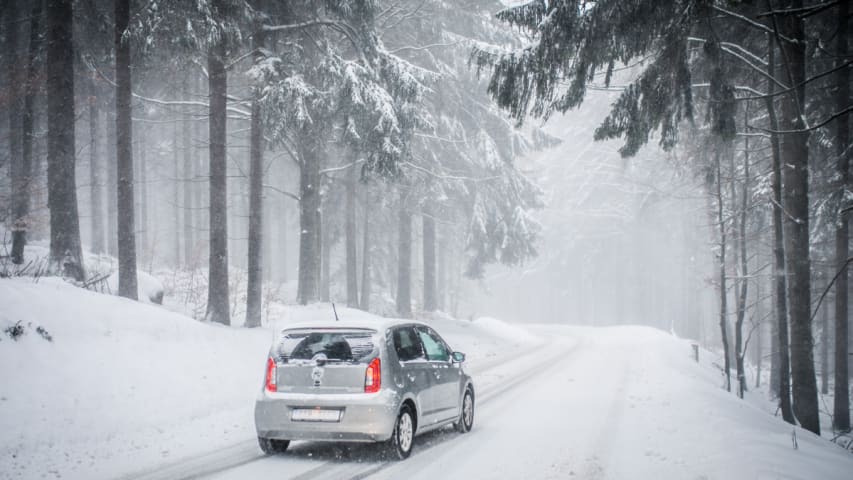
[(349, 346)]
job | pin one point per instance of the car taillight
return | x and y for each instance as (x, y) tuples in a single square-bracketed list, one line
[(270, 379), (373, 377)]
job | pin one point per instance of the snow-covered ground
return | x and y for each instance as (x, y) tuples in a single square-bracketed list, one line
[(125, 388), (125, 385)]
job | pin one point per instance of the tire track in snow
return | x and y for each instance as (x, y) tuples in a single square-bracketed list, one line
[(246, 452)]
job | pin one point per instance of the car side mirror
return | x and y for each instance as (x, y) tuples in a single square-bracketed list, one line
[(458, 357)]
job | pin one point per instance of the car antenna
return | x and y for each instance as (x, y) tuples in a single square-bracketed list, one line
[(336, 312)]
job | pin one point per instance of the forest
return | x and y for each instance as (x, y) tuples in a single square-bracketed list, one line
[(371, 153)]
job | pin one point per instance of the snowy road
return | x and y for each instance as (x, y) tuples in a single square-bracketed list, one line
[(590, 404)]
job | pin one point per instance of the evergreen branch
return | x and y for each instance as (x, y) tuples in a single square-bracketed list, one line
[(803, 11), (843, 269), (751, 22), (832, 117)]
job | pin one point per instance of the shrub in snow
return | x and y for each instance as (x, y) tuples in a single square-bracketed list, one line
[(18, 330), (15, 331)]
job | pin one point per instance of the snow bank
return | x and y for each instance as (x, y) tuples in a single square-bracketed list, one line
[(506, 330)]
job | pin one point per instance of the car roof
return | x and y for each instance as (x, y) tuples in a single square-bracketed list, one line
[(378, 324)]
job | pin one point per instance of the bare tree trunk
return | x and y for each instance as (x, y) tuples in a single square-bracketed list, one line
[(740, 352), (96, 203), (721, 221), (824, 349), (779, 269), (325, 254), (758, 348), (127, 286), (188, 180), (19, 180), (144, 241), (66, 255), (365, 252), (441, 284), (22, 223), (351, 250), (841, 406), (308, 290), (256, 201), (217, 293), (795, 160), (176, 194), (404, 265), (430, 287)]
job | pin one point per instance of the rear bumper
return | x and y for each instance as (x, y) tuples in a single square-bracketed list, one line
[(365, 417)]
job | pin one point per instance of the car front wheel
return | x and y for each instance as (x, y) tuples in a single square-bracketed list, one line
[(404, 434), (271, 446), (466, 416)]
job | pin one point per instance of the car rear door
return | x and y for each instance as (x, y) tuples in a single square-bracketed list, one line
[(445, 375), (414, 372)]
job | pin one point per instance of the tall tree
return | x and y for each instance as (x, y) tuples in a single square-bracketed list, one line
[(795, 183), (256, 200), (841, 406), (217, 293), (126, 241), (351, 256), (429, 259), (95, 168), (780, 282), (19, 180), (22, 223), (66, 255), (404, 266)]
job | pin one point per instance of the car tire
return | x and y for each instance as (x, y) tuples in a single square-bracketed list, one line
[(272, 446), (466, 416), (403, 437)]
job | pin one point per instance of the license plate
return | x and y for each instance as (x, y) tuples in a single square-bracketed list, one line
[(315, 415)]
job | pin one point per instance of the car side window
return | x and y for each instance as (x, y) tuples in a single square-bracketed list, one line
[(436, 349), (407, 345)]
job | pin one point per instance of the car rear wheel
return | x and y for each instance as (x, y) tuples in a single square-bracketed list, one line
[(404, 434), (271, 446), (466, 416)]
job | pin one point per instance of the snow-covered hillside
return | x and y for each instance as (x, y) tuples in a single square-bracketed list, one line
[(123, 386)]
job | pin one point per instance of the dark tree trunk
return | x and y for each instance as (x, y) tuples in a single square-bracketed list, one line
[(66, 255), (841, 407), (824, 349), (188, 185), (795, 160), (404, 265), (365, 252), (141, 194), (351, 250), (176, 193), (112, 180), (325, 254), (217, 293), (779, 269), (430, 294), (740, 351), (22, 223), (19, 179), (722, 268), (256, 202), (96, 201), (308, 290), (441, 283), (127, 286)]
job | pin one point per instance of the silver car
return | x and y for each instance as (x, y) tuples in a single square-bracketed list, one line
[(362, 382)]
